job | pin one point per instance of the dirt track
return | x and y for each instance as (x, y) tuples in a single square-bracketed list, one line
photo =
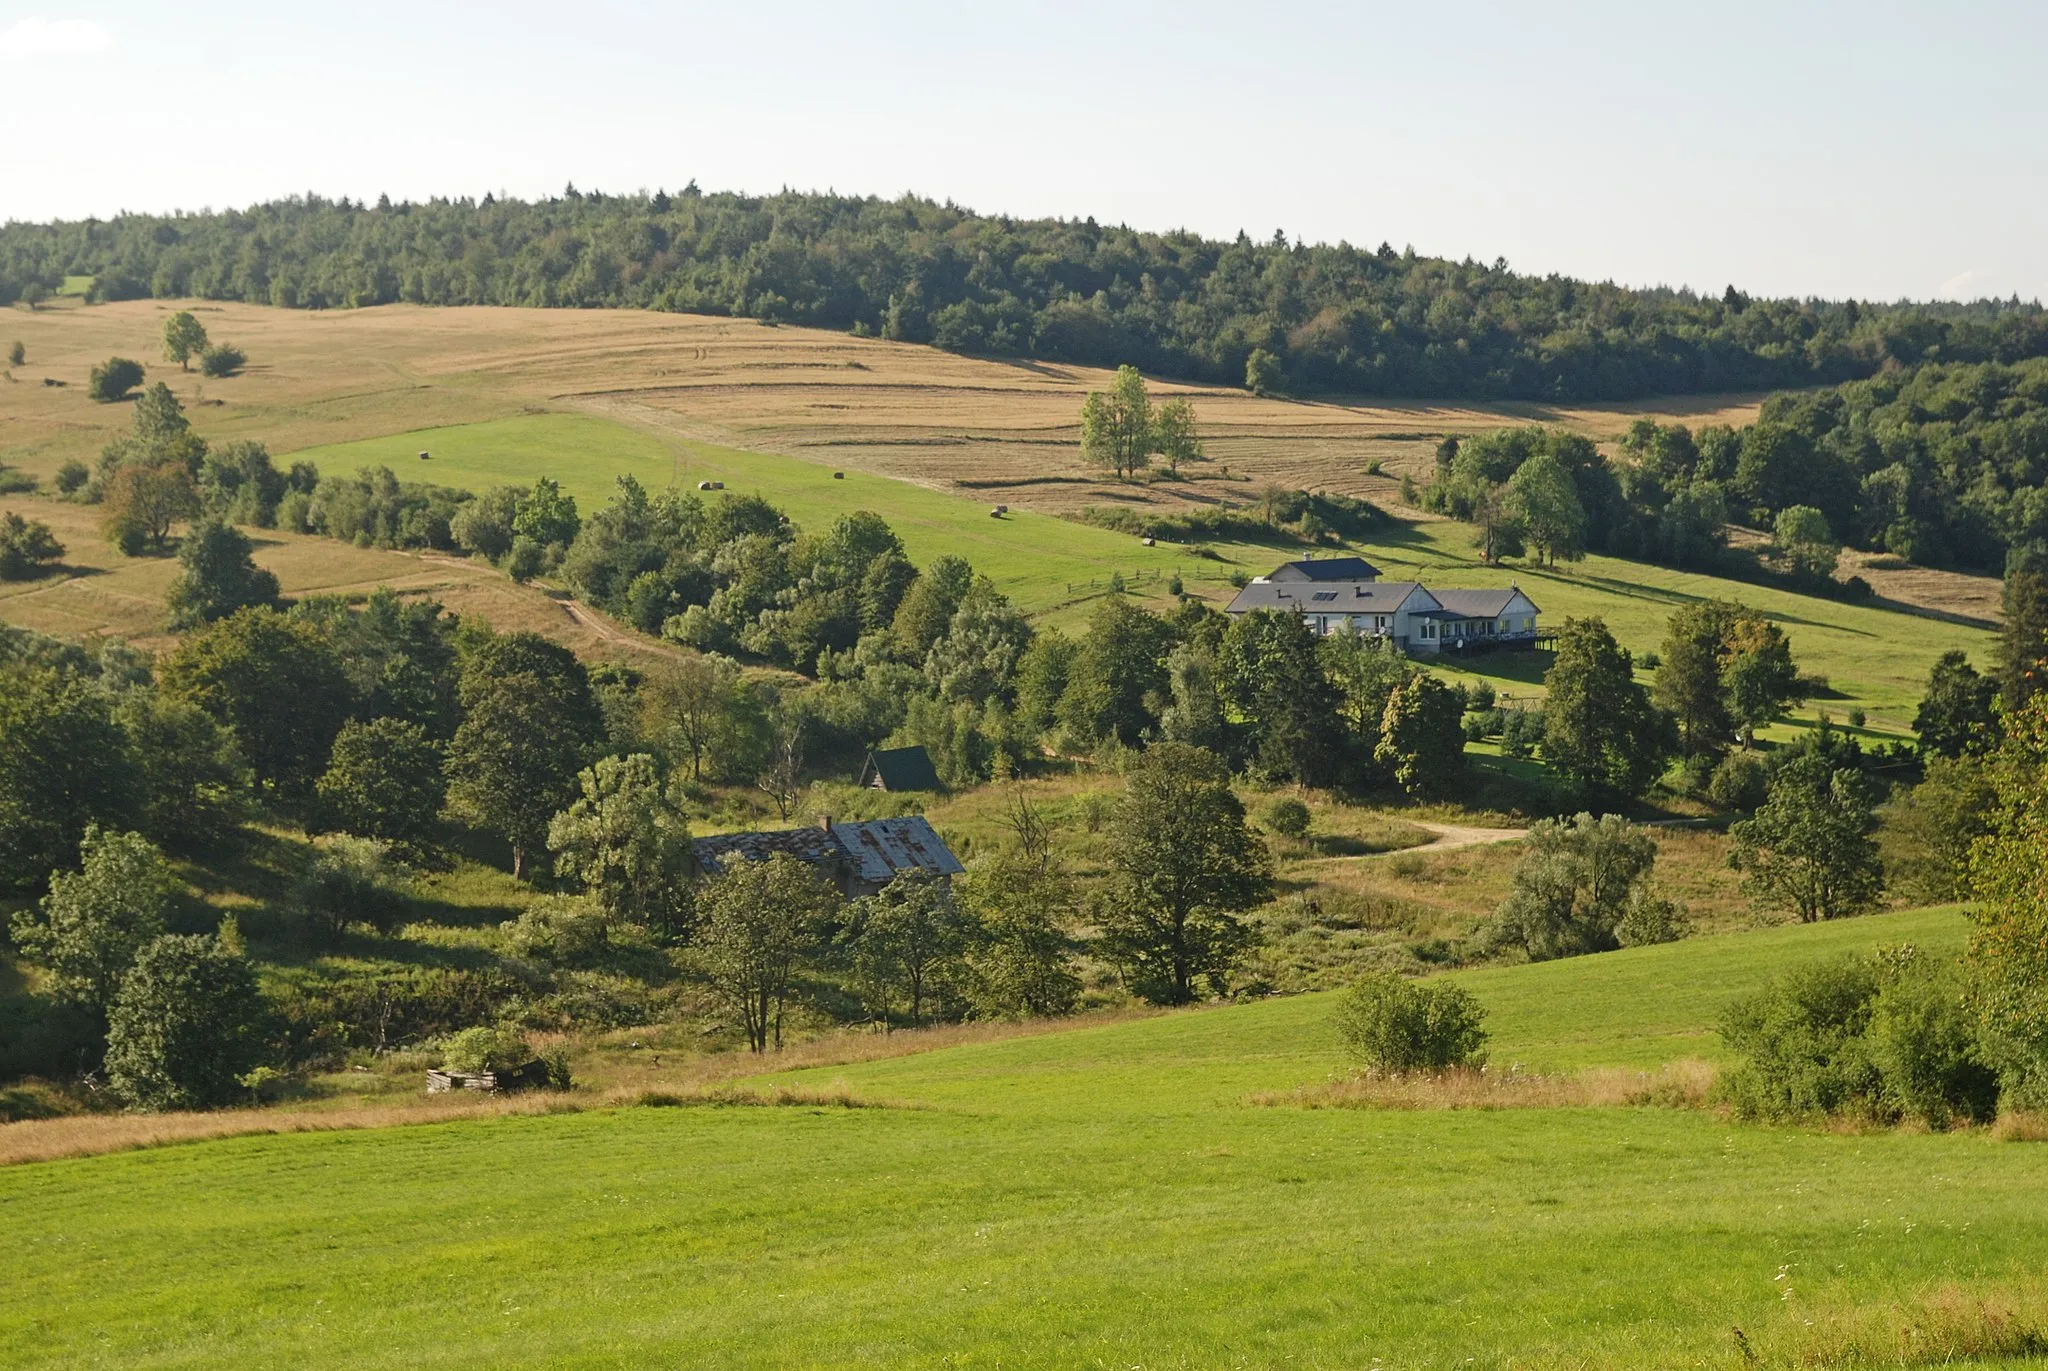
[(1450, 837)]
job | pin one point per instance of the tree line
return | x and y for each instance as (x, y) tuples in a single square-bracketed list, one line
[(1271, 314)]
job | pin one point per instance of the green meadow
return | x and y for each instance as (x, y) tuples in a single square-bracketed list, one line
[(1106, 1196), (1874, 658)]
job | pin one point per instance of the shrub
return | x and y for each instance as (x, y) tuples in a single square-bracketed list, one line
[(112, 379), (1923, 1040), (526, 560), (352, 880), (1288, 817), (222, 359), (1651, 918), (26, 547), (562, 929), (1392, 1024), (1802, 1042), (72, 476), (184, 1030), (1741, 781), (477, 1050), (1879, 1038)]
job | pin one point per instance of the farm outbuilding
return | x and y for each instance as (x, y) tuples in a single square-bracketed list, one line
[(858, 858), (900, 768)]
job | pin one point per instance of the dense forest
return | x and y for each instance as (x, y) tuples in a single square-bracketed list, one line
[(1333, 318)]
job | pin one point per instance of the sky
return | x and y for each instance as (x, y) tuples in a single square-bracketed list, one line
[(1872, 150)]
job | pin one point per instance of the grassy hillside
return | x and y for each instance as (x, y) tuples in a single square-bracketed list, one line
[(1093, 1198), (1874, 657)]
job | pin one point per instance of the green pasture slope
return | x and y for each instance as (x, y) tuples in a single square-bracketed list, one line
[(1102, 1197), (1874, 657)]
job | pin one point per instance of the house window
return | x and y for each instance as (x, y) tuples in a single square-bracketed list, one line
[(1323, 624)]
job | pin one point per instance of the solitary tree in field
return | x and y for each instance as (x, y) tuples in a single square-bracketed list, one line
[(1183, 865), (184, 339), (1174, 433), (1117, 426), (112, 379), (16, 354)]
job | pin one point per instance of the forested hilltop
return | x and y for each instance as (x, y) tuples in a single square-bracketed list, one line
[(1328, 318)]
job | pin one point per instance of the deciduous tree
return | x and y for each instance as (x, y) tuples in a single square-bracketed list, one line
[(87, 931), (759, 923), (219, 577), (1601, 734), (1422, 737), (276, 683), (384, 780), (1811, 847), (529, 725), (185, 1028), (1959, 712), (1117, 425), (1183, 865), (628, 840), (184, 339), (64, 765)]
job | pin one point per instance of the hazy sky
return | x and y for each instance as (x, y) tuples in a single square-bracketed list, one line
[(1869, 149)]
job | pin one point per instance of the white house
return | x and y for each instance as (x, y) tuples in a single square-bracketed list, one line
[(1345, 595)]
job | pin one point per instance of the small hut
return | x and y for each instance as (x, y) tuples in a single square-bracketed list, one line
[(900, 768)]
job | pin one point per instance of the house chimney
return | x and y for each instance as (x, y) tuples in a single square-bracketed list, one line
[(825, 822)]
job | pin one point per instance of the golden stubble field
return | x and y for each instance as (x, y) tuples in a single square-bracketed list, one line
[(895, 409), (103, 592)]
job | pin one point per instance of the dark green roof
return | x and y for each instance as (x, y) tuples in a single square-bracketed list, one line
[(901, 768)]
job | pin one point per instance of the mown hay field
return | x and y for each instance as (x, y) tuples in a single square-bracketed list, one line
[(1124, 1194), (98, 591), (896, 409)]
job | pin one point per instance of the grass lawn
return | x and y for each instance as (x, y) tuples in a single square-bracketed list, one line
[(1875, 658), (1101, 1197)]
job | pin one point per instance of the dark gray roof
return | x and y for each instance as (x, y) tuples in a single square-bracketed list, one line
[(1363, 597), (901, 768), (815, 845), (1477, 604), (1326, 569), (875, 851)]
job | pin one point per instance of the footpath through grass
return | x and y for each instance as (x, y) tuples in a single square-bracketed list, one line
[(1096, 1198), (1874, 658)]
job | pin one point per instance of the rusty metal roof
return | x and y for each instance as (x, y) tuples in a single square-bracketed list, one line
[(813, 845), (882, 848)]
